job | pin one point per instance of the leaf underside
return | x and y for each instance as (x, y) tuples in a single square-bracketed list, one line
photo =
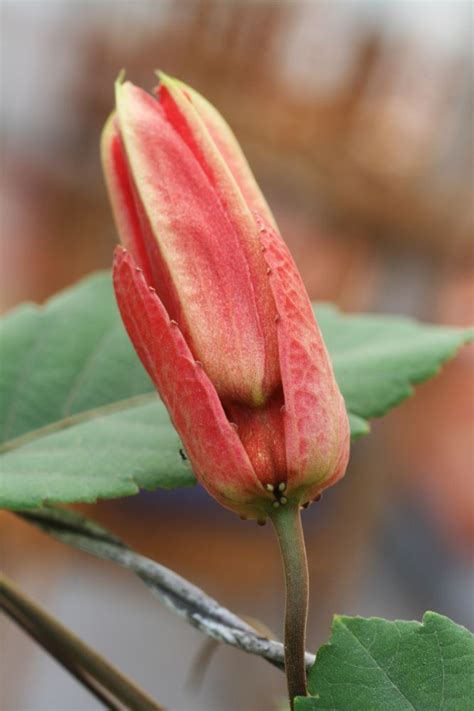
[(372, 664), (80, 420)]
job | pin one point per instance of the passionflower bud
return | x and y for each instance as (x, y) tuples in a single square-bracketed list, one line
[(215, 307)]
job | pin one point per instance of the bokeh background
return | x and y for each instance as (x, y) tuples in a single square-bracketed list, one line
[(356, 118)]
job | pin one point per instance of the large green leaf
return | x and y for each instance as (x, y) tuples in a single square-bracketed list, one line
[(79, 418), (115, 454), (377, 359), (69, 357), (373, 664)]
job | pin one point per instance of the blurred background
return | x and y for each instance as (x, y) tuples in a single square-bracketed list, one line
[(356, 118)]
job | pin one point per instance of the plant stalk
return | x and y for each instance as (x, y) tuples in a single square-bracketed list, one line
[(287, 523), (90, 668), (48, 645)]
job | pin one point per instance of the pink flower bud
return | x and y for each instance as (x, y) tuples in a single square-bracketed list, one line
[(215, 307)]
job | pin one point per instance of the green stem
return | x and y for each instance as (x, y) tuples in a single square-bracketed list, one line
[(287, 523), (86, 665)]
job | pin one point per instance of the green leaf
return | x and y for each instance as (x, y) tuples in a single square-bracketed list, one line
[(80, 419), (373, 664), (114, 454), (66, 358), (377, 359), (359, 426)]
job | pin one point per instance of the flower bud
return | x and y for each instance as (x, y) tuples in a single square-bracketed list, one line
[(215, 306)]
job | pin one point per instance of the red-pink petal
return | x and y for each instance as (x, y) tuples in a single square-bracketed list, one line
[(210, 249), (220, 134), (120, 191), (316, 424), (212, 445), (341, 464)]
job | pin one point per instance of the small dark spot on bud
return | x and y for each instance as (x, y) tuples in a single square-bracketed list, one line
[(317, 498), (305, 506), (261, 521), (183, 454), (243, 518)]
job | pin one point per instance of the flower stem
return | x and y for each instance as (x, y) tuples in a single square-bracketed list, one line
[(287, 523), (91, 669)]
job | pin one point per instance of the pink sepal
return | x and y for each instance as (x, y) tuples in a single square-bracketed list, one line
[(223, 138), (120, 189), (214, 449), (315, 420), (202, 244)]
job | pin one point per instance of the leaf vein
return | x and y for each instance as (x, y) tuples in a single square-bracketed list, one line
[(384, 672), (87, 365)]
